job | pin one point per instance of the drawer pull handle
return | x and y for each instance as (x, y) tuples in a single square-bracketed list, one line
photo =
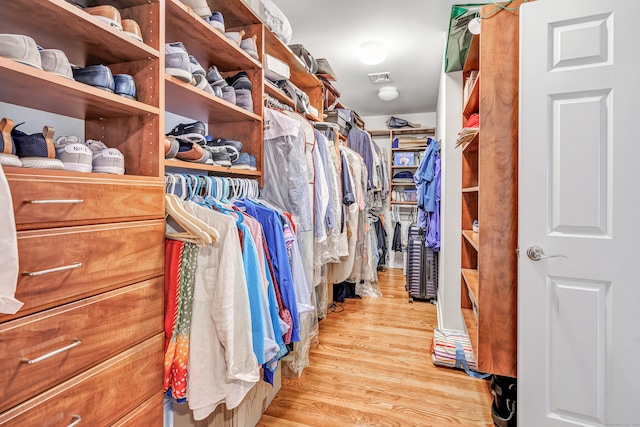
[(74, 343), (77, 419), (53, 270), (49, 202)]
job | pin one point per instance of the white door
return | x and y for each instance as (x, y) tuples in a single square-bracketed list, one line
[(579, 196)]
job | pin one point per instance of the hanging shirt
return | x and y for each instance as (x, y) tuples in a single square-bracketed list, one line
[(359, 141), (9, 247), (424, 177)]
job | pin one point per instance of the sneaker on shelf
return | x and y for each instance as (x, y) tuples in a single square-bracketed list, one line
[(219, 156), (217, 91), (221, 142), (124, 85), (229, 94), (200, 7), (107, 14), (240, 81), (202, 83), (56, 62), (191, 152), (132, 29), (235, 36), (21, 49), (245, 161), (249, 46), (244, 99), (95, 75), (196, 68), (187, 128), (7, 147), (176, 62), (171, 147), (215, 78), (36, 150), (216, 20), (74, 154), (105, 159)]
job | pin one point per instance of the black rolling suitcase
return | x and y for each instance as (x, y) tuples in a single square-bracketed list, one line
[(422, 274)]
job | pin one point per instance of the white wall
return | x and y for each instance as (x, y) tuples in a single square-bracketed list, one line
[(449, 119), (380, 122)]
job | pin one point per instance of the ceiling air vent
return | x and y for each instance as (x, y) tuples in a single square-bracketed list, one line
[(381, 77)]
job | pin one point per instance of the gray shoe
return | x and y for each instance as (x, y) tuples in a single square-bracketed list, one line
[(176, 62), (249, 46), (215, 78), (74, 154), (219, 156), (56, 62), (244, 100), (196, 68), (229, 94), (21, 49), (105, 159), (202, 83)]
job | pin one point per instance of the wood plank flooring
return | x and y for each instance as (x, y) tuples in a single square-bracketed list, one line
[(373, 368)]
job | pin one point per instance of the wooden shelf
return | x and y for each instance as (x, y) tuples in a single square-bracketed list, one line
[(472, 329), (49, 175), (472, 62), (471, 238), (413, 131), (410, 149), (470, 276), (236, 13), (84, 39), (187, 100), (404, 203), (405, 167), (208, 45), (60, 95), (471, 189), (299, 75), (220, 170), (412, 184), (277, 93)]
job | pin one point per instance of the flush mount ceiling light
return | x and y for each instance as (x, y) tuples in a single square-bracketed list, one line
[(372, 52), (388, 93)]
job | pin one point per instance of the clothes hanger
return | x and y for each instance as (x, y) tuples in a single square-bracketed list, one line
[(196, 230)]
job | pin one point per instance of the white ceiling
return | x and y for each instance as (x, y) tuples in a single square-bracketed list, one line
[(413, 30)]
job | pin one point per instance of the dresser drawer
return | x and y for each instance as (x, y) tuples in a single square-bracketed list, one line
[(149, 414), (100, 396), (74, 262), (86, 332), (41, 200)]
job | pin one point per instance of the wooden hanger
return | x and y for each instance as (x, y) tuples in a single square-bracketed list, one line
[(196, 231)]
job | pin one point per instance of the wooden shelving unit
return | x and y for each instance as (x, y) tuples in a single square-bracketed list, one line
[(219, 170), (489, 195), (277, 93)]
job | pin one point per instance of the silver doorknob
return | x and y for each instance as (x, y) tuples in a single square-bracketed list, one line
[(535, 253)]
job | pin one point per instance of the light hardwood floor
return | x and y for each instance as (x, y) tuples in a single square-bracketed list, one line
[(373, 368)]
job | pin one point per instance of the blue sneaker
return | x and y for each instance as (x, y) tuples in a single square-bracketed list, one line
[(36, 150), (125, 86), (246, 162), (95, 75), (216, 20), (7, 147), (176, 61)]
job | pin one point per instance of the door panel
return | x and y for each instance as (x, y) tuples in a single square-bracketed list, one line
[(578, 335)]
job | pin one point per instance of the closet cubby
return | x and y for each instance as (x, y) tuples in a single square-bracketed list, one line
[(488, 273)]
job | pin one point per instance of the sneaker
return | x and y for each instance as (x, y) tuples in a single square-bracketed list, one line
[(249, 46), (195, 66), (215, 78), (105, 159), (217, 91), (124, 85), (244, 99), (221, 142), (240, 81), (36, 150), (95, 75), (191, 152), (219, 156), (176, 62), (228, 94), (74, 154), (235, 36), (171, 147), (216, 20), (7, 147), (132, 29), (187, 128), (200, 7), (107, 14), (245, 161), (202, 83), (21, 49), (56, 62)]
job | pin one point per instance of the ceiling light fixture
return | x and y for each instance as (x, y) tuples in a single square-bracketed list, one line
[(372, 52), (388, 93)]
